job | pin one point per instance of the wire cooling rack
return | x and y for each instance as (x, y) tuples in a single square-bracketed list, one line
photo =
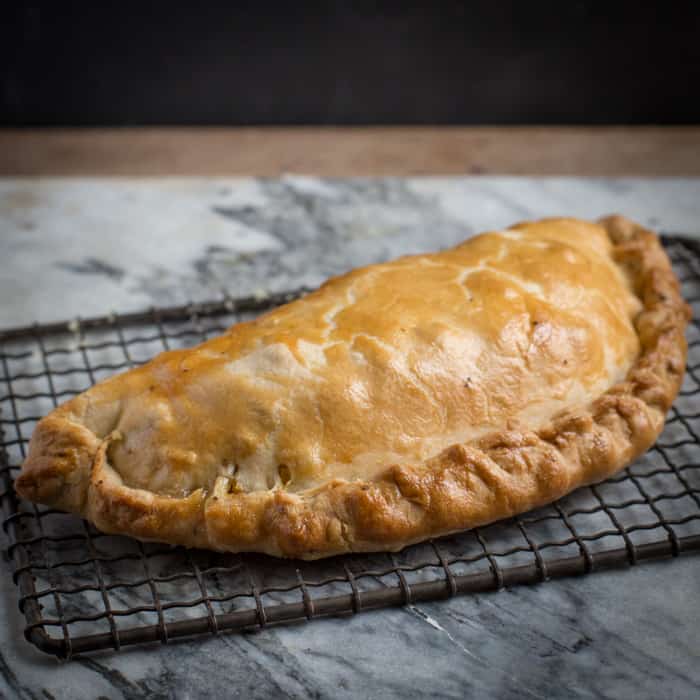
[(81, 590)]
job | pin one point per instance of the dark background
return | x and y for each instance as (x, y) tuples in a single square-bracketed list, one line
[(244, 63)]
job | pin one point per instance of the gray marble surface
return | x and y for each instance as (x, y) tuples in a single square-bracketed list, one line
[(84, 247)]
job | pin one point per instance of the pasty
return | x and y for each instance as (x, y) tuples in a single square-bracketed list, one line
[(398, 402)]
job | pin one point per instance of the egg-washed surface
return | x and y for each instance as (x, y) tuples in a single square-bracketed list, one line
[(364, 415)]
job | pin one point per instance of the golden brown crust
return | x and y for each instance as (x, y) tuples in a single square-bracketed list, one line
[(496, 475)]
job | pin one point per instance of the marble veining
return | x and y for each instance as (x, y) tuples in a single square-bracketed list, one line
[(126, 244), (87, 246)]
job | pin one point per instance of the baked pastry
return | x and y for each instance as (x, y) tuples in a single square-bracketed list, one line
[(397, 402)]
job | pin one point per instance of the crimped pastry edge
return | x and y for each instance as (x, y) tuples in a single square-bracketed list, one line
[(467, 485)]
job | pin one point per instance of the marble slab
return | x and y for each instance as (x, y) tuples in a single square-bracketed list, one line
[(74, 247), (87, 246)]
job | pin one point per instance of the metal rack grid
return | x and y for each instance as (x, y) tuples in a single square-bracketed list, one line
[(81, 590)]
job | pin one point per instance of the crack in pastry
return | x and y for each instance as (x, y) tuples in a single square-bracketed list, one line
[(397, 402)]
